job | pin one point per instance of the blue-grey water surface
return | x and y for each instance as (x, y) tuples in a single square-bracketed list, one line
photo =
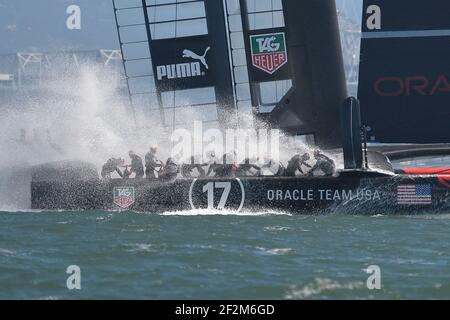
[(197, 256)]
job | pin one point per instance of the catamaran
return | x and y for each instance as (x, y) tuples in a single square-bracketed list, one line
[(226, 55)]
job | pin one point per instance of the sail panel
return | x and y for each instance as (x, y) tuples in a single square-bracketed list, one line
[(314, 56), (254, 17), (176, 60), (409, 15), (404, 82), (182, 63)]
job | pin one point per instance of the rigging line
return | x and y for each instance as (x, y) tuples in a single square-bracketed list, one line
[(154, 9), (154, 13), (130, 99), (273, 31), (227, 15), (150, 37), (156, 22), (174, 83)]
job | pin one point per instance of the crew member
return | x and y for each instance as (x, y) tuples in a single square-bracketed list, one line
[(296, 163), (324, 164), (152, 164), (227, 168), (247, 169), (213, 164), (136, 166), (53, 144), (171, 170), (187, 169), (112, 165), (271, 168)]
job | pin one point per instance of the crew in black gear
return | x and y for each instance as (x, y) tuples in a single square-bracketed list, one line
[(225, 169), (296, 163), (188, 169), (136, 166), (171, 170), (271, 168), (112, 165), (214, 164), (246, 169), (324, 164), (152, 164)]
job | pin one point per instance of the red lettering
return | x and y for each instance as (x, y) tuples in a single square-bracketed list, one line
[(389, 80), (412, 85), (442, 85), (420, 88)]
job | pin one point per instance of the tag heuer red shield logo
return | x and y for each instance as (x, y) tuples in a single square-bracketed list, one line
[(269, 51), (124, 197)]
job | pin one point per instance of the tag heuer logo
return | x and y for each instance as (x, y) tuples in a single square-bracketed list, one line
[(269, 51), (124, 197)]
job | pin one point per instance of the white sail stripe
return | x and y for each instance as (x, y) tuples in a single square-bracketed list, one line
[(418, 198), (405, 34), (414, 201)]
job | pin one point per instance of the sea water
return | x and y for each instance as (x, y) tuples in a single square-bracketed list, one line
[(192, 254), (220, 255)]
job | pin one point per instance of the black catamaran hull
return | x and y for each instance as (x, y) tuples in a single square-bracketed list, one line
[(351, 192), (396, 95)]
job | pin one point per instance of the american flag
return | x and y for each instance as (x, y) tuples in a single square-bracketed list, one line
[(414, 194)]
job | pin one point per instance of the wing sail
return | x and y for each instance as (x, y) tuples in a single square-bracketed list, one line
[(288, 65), (176, 61), (404, 82)]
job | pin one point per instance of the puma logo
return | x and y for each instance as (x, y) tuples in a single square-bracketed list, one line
[(189, 54), (184, 70)]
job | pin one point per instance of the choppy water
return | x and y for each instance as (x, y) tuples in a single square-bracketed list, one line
[(201, 256)]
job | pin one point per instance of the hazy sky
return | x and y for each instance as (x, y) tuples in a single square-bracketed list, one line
[(40, 25)]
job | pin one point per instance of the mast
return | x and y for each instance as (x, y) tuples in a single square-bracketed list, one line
[(319, 85), (307, 50)]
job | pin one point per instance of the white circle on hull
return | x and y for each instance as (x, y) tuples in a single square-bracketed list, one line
[(241, 186)]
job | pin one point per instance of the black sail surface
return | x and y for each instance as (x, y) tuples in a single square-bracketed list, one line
[(286, 64), (404, 82), (298, 50), (176, 61)]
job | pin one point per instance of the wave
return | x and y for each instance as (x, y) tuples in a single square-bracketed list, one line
[(319, 286), (215, 212), (275, 251), (6, 210), (7, 252)]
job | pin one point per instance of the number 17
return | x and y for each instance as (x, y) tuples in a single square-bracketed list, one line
[(210, 187)]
